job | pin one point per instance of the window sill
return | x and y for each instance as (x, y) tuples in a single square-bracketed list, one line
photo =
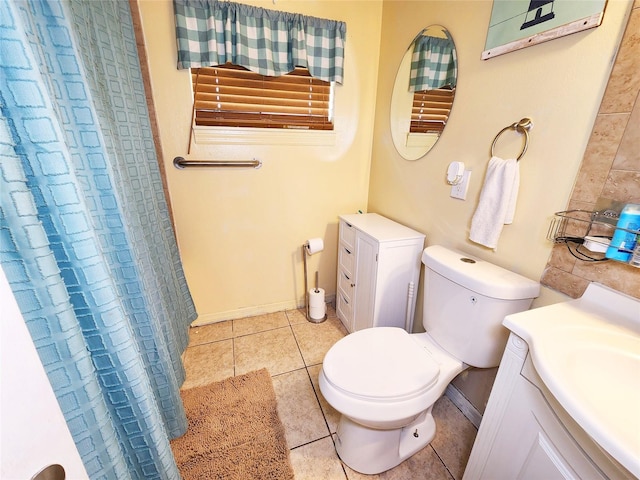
[(262, 136)]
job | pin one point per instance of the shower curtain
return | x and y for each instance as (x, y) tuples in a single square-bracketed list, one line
[(85, 236)]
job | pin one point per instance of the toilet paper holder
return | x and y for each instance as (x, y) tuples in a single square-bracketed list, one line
[(310, 247)]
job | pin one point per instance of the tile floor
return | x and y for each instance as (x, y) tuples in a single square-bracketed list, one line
[(292, 349)]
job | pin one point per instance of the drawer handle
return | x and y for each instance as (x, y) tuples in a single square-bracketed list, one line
[(345, 300), (348, 278), (347, 250)]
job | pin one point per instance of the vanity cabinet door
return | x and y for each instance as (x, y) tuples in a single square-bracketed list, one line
[(522, 437), (532, 444)]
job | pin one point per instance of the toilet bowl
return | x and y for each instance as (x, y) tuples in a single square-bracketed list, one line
[(374, 396), (384, 381)]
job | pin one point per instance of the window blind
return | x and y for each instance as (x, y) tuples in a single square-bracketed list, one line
[(232, 96), (431, 109)]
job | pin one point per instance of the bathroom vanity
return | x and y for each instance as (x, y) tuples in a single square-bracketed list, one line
[(378, 272), (565, 401)]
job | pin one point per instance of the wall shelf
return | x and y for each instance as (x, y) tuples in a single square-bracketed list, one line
[(587, 234)]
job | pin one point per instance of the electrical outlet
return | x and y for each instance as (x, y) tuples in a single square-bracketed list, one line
[(460, 190)]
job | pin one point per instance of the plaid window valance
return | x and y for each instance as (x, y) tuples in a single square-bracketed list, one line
[(433, 64), (268, 42)]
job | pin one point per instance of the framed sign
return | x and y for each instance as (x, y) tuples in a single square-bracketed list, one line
[(517, 24)]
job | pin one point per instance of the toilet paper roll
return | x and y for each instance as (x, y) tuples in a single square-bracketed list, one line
[(315, 245), (317, 307)]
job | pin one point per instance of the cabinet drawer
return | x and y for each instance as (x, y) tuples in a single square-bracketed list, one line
[(347, 234), (347, 259), (344, 309), (345, 282)]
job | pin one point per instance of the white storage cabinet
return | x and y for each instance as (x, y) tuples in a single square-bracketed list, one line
[(378, 272)]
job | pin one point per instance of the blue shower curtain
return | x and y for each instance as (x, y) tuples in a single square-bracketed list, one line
[(85, 236)]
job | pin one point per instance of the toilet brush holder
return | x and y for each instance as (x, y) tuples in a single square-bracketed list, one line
[(315, 307)]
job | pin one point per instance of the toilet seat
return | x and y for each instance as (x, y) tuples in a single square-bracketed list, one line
[(382, 364)]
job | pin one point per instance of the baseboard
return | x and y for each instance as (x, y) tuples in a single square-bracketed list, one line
[(465, 406), (209, 318)]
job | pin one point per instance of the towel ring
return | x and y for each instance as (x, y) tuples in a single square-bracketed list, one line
[(523, 126)]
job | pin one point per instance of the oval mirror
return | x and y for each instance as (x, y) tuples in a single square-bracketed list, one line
[(423, 92)]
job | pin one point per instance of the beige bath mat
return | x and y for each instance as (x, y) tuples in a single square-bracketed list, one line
[(234, 431)]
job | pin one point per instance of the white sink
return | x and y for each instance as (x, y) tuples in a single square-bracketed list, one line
[(587, 351)]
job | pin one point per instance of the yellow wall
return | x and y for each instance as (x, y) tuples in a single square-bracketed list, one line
[(558, 84), (240, 232)]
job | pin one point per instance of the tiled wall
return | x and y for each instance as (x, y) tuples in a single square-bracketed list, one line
[(610, 169)]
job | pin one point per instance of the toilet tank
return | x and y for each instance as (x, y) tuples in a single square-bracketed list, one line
[(465, 302)]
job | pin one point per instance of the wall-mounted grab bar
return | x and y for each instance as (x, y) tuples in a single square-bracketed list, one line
[(180, 162)]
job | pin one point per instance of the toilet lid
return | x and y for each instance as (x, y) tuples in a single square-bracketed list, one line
[(381, 362)]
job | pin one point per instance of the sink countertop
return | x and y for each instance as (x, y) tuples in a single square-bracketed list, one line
[(587, 351)]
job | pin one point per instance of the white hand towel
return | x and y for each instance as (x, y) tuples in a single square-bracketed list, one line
[(497, 203)]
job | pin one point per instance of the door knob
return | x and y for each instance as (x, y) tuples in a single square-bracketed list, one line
[(50, 472)]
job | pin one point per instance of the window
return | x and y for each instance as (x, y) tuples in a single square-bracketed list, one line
[(232, 96), (431, 109)]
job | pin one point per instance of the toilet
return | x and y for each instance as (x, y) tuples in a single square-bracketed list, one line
[(384, 381)]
